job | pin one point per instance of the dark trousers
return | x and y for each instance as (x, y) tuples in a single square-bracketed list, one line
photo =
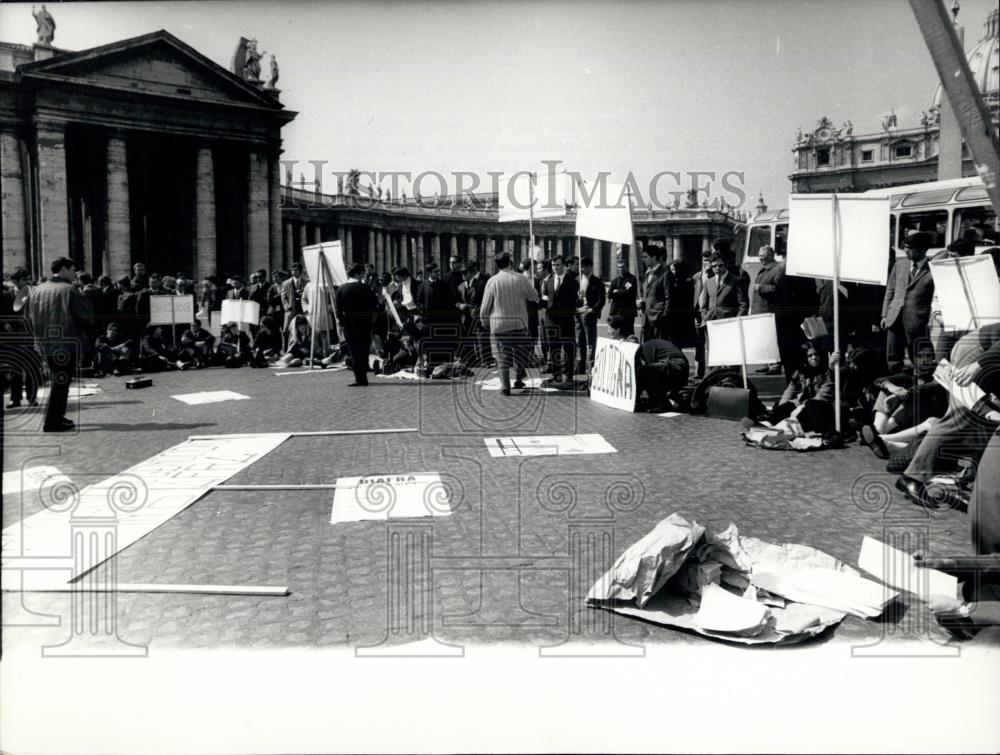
[(60, 374), (898, 341), (359, 344), (562, 349), (586, 340), (959, 433), (816, 416), (662, 379)]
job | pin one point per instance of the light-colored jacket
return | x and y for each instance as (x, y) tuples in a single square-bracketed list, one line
[(505, 301)]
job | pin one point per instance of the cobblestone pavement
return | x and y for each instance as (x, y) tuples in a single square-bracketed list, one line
[(497, 569)]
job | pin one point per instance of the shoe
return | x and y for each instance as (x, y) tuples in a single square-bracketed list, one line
[(931, 496), (763, 370), (505, 391), (519, 384), (357, 385), (13, 404), (874, 441), (63, 425)]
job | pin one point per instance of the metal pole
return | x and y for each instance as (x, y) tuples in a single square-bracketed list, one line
[(836, 310)]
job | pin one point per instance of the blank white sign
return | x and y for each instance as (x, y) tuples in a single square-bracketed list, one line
[(862, 230), (334, 256), (760, 339), (548, 445), (968, 291), (240, 310)]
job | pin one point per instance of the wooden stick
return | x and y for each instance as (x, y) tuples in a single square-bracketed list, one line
[(743, 351), (311, 432), (156, 588), (836, 311)]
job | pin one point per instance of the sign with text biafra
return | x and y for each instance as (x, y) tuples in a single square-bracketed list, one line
[(613, 381)]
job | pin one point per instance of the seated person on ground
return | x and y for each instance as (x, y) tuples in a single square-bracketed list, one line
[(299, 342), (403, 351), (154, 356), (662, 367), (267, 344), (808, 397), (234, 345), (112, 352), (908, 405), (197, 345)]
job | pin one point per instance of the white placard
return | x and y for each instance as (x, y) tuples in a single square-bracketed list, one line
[(210, 397), (214, 324), (385, 496), (171, 310), (515, 192), (607, 217), (968, 291), (862, 231), (390, 305), (759, 340), (240, 310), (613, 381), (898, 569), (548, 445), (333, 253)]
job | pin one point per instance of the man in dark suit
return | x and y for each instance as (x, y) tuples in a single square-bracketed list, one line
[(623, 294), (61, 319), (291, 294), (559, 297), (768, 297), (471, 299), (701, 280), (726, 296), (723, 247), (355, 305), (455, 278), (655, 292), (239, 291), (593, 297), (439, 316), (906, 309), (259, 287)]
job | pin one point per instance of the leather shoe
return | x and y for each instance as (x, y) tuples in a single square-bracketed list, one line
[(519, 384), (62, 425), (873, 440), (505, 391), (357, 385), (931, 497)]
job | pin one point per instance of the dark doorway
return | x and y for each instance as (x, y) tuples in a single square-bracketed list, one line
[(87, 189), (161, 178), (231, 168)]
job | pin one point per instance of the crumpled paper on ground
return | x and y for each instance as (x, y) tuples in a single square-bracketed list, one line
[(655, 580)]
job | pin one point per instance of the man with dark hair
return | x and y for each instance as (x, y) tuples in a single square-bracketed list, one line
[(656, 292), (505, 307), (623, 293), (197, 345), (723, 247), (239, 292), (291, 294), (475, 330), (355, 306), (701, 282), (593, 298), (726, 296), (407, 292), (455, 278), (259, 287), (559, 298), (61, 319), (906, 308), (662, 367), (439, 316)]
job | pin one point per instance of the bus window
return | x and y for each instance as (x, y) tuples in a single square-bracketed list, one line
[(759, 236), (932, 221), (781, 240), (981, 221)]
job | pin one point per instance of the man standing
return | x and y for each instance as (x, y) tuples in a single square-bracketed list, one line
[(455, 278), (259, 287), (701, 281), (769, 298), (238, 292), (439, 316), (505, 306), (291, 294), (724, 249), (655, 292), (623, 294), (355, 305), (906, 309), (471, 292), (726, 296), (559, 297), (60, 318), (592, 297)]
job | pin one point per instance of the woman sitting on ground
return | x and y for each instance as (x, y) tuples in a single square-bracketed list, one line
[(154, 356), (909, 404), (808, 397), (267, 344), (299, 343)]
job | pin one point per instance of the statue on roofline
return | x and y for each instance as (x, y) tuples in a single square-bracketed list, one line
[(251, 67), (46, 26), (274, 73)]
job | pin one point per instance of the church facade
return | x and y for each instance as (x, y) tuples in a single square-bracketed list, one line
[(143, 150)]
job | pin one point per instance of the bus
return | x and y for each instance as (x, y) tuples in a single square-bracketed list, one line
[(948, 209)]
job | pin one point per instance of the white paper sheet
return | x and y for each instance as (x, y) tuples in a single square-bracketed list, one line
[(385, 496), (897, 569), (548, 445), (210, 397), (493, 384), (143, 497), (863, 231), (968, 291), (760, 340), (721, 611), (970, 396)]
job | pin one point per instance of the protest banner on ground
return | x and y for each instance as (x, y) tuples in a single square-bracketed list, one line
[(968, 291), (613, 381), (241, 311), (384, 496), (604, 213), (332, 254), (171, 310), (743, 341)]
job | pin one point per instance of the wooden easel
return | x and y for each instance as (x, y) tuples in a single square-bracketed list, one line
[(326, 301)]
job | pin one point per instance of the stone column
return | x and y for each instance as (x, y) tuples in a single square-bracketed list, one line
[(258, 249), (577, 248), (274, 213), (436, 251), (205, 247), (454, 245), (421, 258), (706, 244), (472, 247), (371, 255), (381, 258), (678, 248), (15, 222), (53, 204), (348, 244), (288, 244), (303, 237), (316, 235), (595, 252)]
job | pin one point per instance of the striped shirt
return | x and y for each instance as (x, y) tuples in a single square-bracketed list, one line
[(505, 301)]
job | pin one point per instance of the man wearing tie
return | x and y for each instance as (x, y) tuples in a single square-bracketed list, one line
[(559, 297), (593, 297), (655, 293), (906, 309)]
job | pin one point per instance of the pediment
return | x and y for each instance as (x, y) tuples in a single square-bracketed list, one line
[(158, 64)]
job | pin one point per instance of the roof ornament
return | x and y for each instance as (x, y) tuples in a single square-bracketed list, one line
[(46, 26)]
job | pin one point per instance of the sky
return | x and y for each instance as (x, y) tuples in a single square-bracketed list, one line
[(446, 85)]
